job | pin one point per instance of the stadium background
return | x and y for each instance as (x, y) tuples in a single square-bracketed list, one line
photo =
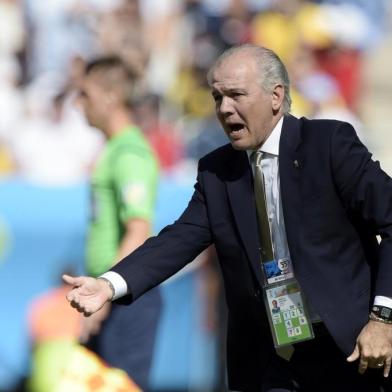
[(339, 55)]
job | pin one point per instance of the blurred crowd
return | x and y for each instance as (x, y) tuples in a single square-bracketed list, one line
[(45, 44)]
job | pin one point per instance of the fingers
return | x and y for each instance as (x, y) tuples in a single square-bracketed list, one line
[(354, 355), (363, 360), (369, 362), (387, 367), (366, 362), (75, 301), (363, 365), (73, 298), (81, 309)]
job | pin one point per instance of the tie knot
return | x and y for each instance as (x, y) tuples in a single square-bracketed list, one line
[(257, 157)]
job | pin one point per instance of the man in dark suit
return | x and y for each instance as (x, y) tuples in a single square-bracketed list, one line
[(326, 200)]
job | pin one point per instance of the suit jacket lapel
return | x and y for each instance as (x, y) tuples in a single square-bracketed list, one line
[(241, 196), (290, 176)]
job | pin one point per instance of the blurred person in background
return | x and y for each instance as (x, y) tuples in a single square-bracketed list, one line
[(123, 193), (337, 34), (10, 109), (54, 331), (12, 32), (334, 201), (183, 26), (12, 41), (161, 134), (320, 90), (51, 143), (59, 362), (119, 32)]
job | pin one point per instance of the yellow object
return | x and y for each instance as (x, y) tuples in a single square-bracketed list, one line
[(64, 366), (284, 33), (313, 26), (6, 163), (276, 31), (194, 98), (85, 372), (300, 107)]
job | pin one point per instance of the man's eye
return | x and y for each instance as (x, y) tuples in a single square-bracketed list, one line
[(217, 98)]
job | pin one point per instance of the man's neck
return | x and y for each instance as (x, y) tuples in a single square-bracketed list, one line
[(272, 126), (275, 120), (119, 120)]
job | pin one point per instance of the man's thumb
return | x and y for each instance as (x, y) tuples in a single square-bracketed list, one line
[(72, 281), (354, 355)]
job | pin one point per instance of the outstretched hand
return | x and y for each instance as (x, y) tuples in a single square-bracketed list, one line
[(88, 295)]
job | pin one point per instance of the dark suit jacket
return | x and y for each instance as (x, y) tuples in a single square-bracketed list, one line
[(335, 201)]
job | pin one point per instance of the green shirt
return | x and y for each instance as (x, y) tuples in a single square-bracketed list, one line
[(124, 185)]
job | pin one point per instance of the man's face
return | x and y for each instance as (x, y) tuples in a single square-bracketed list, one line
[(243, 108), (94, 101)]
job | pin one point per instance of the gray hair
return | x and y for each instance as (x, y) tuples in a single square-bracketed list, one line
[(272, 69)]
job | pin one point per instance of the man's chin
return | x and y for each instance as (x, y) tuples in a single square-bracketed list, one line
[(240, 146)]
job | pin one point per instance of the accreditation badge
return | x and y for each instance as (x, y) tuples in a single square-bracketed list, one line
[(287, 313), (277, 270)]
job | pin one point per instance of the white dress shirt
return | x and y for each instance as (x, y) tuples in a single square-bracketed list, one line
[(270, 169), (119, 284)]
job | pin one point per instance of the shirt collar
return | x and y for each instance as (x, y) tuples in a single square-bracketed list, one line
[(271, 145)]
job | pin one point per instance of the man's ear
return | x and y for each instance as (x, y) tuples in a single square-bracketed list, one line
[(111, 97), (277, 97)]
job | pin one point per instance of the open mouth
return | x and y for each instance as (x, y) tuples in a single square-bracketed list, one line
[(235, 127)]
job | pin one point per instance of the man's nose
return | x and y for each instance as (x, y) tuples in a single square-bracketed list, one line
[(226, 106)]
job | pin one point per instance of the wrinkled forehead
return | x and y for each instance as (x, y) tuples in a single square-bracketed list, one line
[(234, 72)]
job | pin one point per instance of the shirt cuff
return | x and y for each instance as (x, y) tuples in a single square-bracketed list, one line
[(119, 284), (380, 300)]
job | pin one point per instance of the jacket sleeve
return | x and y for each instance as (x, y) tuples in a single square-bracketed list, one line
[(366, 189), (176, 245)]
